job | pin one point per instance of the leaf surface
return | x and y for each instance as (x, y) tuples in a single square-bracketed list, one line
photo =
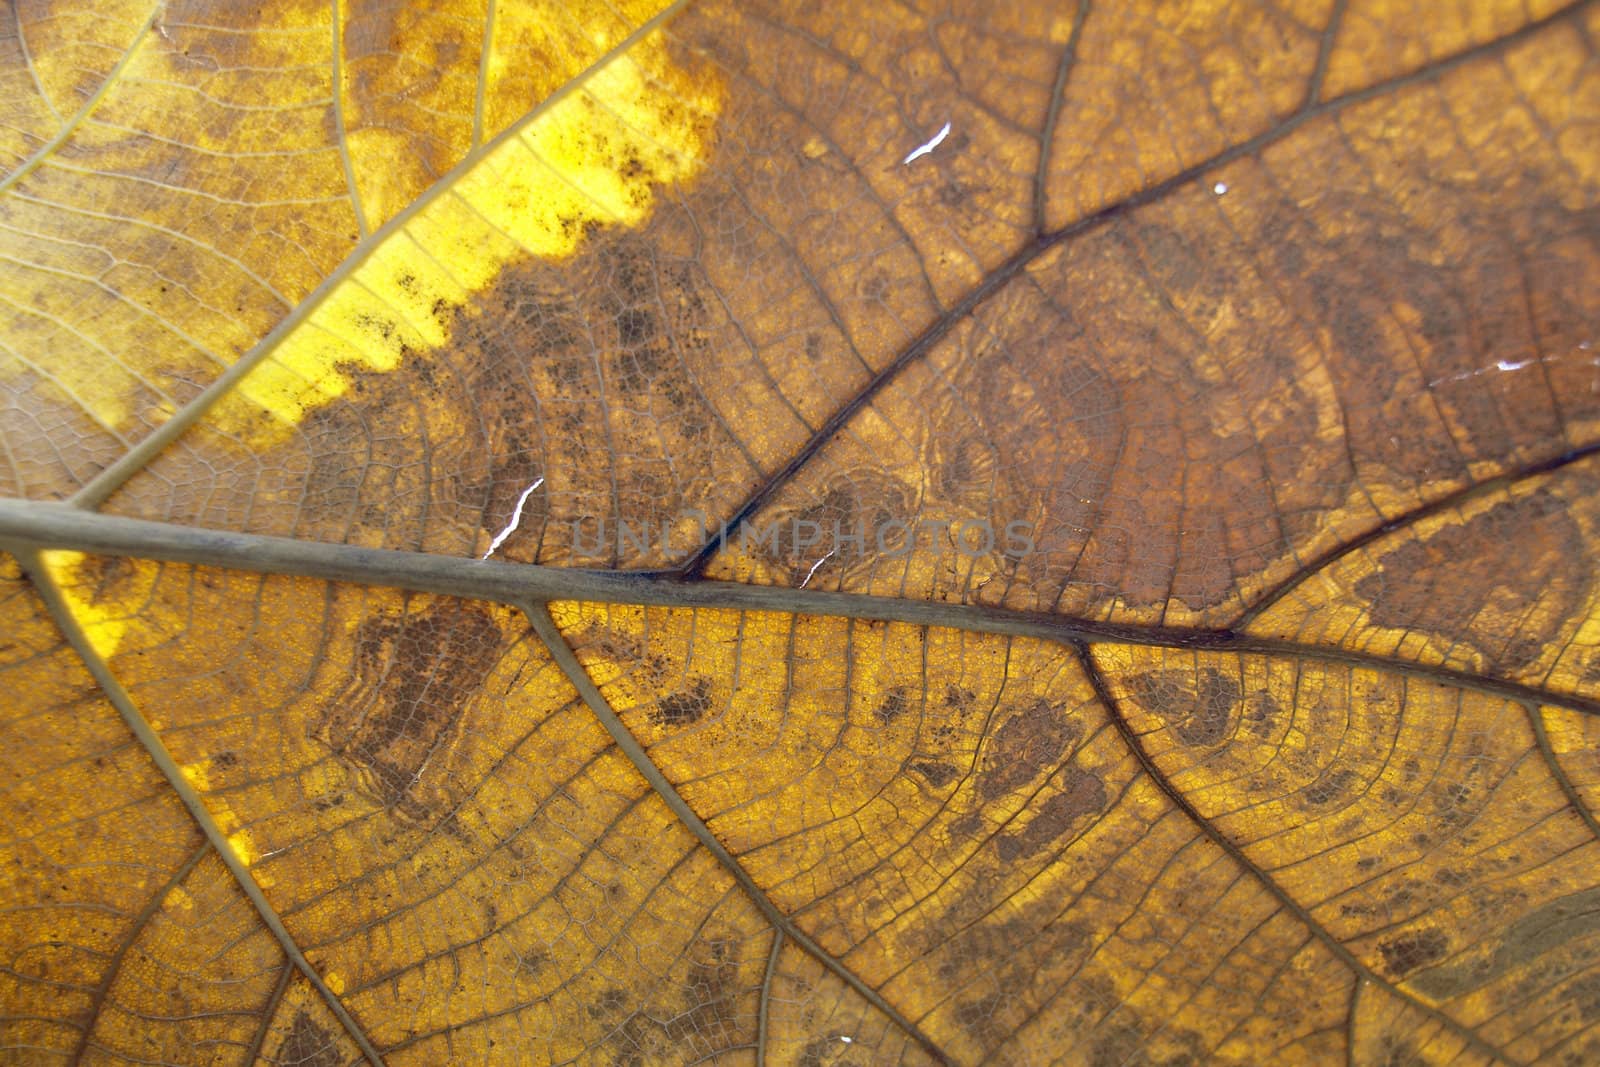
[(762, 534)]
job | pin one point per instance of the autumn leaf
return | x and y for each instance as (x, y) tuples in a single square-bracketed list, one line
[(636, 534)]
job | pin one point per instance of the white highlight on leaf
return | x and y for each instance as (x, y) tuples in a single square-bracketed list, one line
[(923, 149), (1502, 365), (846, 1040), (516, 519), (813, 569)]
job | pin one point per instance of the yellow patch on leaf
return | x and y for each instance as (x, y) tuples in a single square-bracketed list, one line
[(105, 594), (596, 156)]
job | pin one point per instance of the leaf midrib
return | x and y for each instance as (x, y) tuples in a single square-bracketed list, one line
[(30, 526)]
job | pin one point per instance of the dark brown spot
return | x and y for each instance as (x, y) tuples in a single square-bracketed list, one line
[(893, 706), (528, 961), (1197, 705), (938, 775), (959, 697), (681, 709), (1412, 950), (635, 328), (1261, 714), (1489, 581), (1081, 794), (609, 1004), (968, 825), (1029, 744), (414, 676), (1584, 994), (307, 1045), (710, 1000), (380, 327), (1328, 787)]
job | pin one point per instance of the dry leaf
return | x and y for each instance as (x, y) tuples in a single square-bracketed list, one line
[(819, 535)]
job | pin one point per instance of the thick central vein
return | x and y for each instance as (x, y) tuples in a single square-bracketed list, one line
[(30, 526)]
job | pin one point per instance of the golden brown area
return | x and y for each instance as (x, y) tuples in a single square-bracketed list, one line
[(108, 886), (1503, 583), (1206, 393), (1189, 403), (447, 833), (1422, 826), (955, 817)]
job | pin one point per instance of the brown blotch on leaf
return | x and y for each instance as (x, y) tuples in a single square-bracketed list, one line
[(1027, 745), (1261, 713), (893, 705), (414, 676), (1081, 794), (1119, 1045), (1503, 582), (682, 709), (1410, 951), (307, 1045), (981, 1018), (1584, 994), (579, 373), (862, 501), (710, 997), (706, 1023), (1197, 706), (1397, 1051), (1554, 935), (938, 775), (333, 485), (1328, 787)]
